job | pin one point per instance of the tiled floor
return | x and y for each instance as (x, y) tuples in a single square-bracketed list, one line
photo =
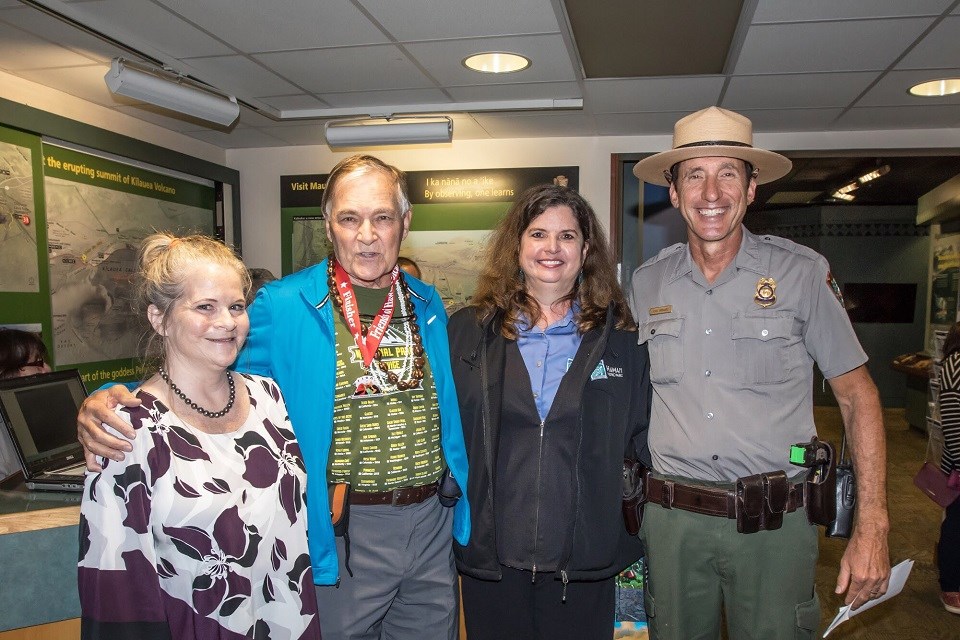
[(916, 614)]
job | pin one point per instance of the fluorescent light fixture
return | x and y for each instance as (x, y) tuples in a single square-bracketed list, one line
[(846, 197), (873, 175), (936, 88), (172, 92), (847, 188), (354, 133), (496, 62)]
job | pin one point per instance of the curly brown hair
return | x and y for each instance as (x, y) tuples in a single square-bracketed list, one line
[(501, 286)]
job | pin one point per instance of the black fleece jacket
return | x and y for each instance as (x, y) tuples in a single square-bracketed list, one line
[(604, 415)]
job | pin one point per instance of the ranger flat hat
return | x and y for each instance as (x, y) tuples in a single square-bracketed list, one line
[(713, 132)]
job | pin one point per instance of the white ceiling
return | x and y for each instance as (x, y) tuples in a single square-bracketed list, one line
[(794, 65)]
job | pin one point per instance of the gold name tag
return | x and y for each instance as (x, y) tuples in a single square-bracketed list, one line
[(656, 311)]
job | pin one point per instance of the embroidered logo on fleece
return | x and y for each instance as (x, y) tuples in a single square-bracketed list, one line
[(600, 373)]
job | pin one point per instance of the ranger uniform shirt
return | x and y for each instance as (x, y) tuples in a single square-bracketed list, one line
[(731, 361)]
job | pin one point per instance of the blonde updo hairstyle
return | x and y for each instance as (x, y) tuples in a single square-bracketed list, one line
[(165, 261)]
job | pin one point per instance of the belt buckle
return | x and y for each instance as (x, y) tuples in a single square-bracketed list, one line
[(395, 497)]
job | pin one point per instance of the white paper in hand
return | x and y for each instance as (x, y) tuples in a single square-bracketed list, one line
[(898, 578)]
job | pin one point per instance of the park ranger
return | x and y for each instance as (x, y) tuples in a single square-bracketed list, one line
[(734, 323)]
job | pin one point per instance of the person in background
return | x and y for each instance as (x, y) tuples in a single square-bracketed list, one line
[(258, 278), (22, 353), (734, 324), (200, 532), (554, 394), (362, 356), (948, 547), (409, 266)]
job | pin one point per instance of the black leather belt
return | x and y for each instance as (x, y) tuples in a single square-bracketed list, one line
[(401, 497), (710, 501)]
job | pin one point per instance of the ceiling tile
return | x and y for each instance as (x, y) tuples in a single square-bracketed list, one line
[(428, 19), (20, 50), (297, 101), (239, 76), (528, 91), (139, 22), (63, 34), (791, 10), (238, 138), (397, 96), (796, 90), (638, 124), (256, 26), (347, 69), (941, 48), (893, 89), (827, 46), (651, 94), (930, 117), (533, 125), (443, 59), (770, 120)]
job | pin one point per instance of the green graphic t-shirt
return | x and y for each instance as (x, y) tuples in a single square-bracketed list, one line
[(383, 438)]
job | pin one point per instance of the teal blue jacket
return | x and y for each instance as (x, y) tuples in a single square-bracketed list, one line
[(292, 341)]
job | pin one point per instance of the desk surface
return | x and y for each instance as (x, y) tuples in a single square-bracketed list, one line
[(24, 510)]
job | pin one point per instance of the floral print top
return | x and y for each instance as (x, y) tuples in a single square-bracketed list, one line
[(198, 535)]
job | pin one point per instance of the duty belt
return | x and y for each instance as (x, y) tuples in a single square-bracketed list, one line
[(713, 501), (398, 497)]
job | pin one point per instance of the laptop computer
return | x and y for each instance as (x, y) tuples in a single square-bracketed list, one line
[(40, 414)]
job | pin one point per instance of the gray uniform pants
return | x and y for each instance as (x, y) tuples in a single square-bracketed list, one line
[(404, 584)]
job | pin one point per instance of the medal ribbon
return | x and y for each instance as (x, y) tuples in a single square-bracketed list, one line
[(368, 341)]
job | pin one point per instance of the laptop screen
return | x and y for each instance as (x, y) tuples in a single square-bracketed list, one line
[(41, 413)]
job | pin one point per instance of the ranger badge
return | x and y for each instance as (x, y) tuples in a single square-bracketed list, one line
[(766, 292)]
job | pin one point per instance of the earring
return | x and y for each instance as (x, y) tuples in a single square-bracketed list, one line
[(521, 275), (580, 278)]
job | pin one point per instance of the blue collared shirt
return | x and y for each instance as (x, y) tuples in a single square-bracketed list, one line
[(548, 354)]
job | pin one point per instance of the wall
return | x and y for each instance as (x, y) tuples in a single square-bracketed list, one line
[(260, 169), (866, 244)]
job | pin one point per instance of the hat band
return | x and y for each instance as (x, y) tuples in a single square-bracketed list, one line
[(715, 143)]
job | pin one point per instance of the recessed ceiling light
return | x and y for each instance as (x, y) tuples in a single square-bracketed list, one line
[(496, 62), (936, 88)]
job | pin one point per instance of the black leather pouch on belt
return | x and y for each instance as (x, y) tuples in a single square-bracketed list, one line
[(762, 501), (750, 504), (776, 491), (820, 492), (633, 495)]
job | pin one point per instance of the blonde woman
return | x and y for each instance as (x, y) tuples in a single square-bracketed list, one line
[(200, 532)]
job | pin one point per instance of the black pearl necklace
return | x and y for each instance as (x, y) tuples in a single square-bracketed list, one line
[(193, 405)]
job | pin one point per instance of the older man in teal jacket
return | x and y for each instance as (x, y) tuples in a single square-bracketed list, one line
[(361, 355)]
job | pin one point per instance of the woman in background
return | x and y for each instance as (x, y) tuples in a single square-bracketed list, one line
[(554, 394), (21, 354), (200, 532), (948, 548)]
